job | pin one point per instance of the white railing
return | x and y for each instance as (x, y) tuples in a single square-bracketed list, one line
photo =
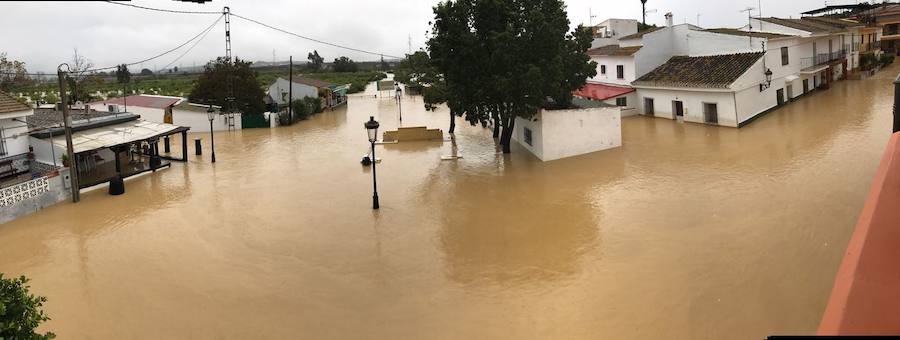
[(17, 193)]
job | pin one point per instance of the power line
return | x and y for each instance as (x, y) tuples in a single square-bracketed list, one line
[(192, 46), (162, 10), (312, 39), (161, 54)]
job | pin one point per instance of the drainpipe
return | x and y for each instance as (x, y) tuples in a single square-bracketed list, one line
[(897, 104)]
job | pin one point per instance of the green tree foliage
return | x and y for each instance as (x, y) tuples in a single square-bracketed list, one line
[(344, 64), (146, 72), (13, 74), (212, 86), (305, 107), (502, 59), (123, 76), (315, 61), (20, 311)]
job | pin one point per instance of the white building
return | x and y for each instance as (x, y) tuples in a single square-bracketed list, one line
[(556, 134), (170, 110), (609, 31), (13, 130), (281, 88)]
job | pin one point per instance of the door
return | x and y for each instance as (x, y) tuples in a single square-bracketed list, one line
[(711, 113), (678, 108), (648, 106), (790, 92), (805, 85), (780, 96)]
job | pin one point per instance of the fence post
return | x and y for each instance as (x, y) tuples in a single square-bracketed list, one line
[(896, 104)]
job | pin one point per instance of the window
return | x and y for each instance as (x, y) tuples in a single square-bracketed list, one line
[(620, 71), (785, 59), (648, 106), (621, 101), (528, 136), (2, 143), (602, 69)]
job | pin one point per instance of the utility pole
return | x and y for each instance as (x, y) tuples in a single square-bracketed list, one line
[(644, 11), (67, 126), (291, 89), (230, 100)]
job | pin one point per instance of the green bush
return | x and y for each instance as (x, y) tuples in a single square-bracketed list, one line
[(20, 312), (887, 59)]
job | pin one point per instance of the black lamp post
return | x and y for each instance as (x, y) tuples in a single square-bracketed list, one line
[(211, 114), (768, 83), (399, 104), (372, 129)]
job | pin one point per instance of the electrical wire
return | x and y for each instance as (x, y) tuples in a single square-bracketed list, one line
[(162, 10), (311, 39), (161, 54), (192, 46)]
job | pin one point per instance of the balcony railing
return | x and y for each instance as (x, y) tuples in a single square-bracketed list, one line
[(822, 59), (870, 47)]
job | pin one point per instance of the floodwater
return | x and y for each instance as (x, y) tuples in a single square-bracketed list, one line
[(686, 232)]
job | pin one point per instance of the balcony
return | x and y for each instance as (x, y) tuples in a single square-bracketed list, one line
[(822, 59), (869, 47)]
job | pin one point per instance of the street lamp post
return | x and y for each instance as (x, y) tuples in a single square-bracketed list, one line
[(399, 102), (372, 129), (211, 114)]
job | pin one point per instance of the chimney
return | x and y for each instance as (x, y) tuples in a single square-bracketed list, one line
[(669, 19)]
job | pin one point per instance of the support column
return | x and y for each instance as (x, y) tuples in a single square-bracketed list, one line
[(184, 148), (896, 105), (166, 147)]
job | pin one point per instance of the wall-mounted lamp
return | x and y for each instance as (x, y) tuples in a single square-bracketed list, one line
[(768, 83)]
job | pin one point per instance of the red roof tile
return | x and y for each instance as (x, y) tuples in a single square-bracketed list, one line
[(602, 91), (9, 104)]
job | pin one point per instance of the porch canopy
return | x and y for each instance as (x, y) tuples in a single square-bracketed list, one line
[(118, 134)]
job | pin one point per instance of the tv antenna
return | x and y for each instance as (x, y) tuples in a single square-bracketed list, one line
[(749, 11), (591, 17)]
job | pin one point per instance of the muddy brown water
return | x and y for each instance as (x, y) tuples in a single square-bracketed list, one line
[(686, 232)]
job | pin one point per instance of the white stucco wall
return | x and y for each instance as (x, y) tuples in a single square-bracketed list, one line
[(15, 136), (565, 133), (199, 121), (281, 86), (43, 152), (692, 101), (630, 108), (611, 76)]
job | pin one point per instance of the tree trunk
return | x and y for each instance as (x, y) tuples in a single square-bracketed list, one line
[(452, 123), (507, 133), (496, 117)]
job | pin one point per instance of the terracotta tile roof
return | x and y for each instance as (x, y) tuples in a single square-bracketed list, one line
[(733, 31), (718, 71), (613, 50), (141, 100), (641, 34), (602, 91), (9, 104), (803, 25)]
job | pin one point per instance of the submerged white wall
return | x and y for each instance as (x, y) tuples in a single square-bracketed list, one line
[(565, 133)]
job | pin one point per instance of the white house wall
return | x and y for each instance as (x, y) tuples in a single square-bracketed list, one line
[(565, 133), (631, 99), (611, 63), (692, 101), (299, 91), (43, 152), (15, 137), (199, 121)]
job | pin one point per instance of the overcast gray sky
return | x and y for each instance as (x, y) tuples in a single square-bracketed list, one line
[(43, 34)]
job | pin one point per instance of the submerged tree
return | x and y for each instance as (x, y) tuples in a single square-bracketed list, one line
[(212, 87), (502, 59), (344, 64)]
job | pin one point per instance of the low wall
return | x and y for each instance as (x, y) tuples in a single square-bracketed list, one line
[(865, 299), (25, 198), (417, 133)]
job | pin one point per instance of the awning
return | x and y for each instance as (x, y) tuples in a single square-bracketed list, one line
[(791, 78), (814, 69), (602, 91), (118, 134)]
